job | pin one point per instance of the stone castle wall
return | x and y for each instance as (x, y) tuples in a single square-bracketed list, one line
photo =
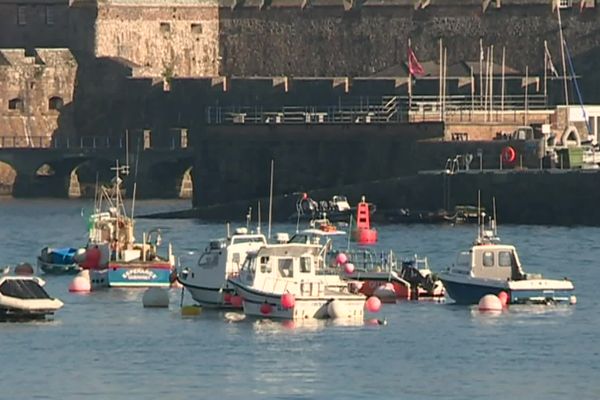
[(34, 89), (163, 41)]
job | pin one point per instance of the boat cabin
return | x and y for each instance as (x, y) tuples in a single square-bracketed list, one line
[(282, 267), (491, 261)]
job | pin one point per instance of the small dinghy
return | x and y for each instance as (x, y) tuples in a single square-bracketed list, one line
[(23, 298)]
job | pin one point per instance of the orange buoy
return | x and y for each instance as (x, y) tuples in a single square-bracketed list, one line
[(509, 155)]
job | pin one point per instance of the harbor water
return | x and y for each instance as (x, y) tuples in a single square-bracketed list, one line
[(105, 345)]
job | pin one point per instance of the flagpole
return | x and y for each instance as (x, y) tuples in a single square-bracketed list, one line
[(472, 92), (492, 83), (487, 86), (562, 53), (441, 78), (409, 81), (526, 95), (503, 80), (480, 72), (445, 72), (545, 71)]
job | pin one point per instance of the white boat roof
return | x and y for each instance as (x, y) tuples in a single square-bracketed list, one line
[(319, 232)]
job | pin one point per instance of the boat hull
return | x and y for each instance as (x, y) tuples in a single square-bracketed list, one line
[(264, 304), (470, 291), (58, 269), (211, 297), (139, 274)]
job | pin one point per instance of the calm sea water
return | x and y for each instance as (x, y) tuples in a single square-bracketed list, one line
[(105, 345)]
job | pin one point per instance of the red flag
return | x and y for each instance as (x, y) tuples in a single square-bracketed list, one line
[(414, 66)]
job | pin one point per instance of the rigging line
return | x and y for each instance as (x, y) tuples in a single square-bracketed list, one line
[(587, 122)]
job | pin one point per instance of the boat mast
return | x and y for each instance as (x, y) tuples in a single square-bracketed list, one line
[(271, 199)]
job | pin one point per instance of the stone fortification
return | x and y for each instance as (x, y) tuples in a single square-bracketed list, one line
[(34, 89)]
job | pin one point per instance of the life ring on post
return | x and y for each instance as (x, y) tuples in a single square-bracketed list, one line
[(509, 155)]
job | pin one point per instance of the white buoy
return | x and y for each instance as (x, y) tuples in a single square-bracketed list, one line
[(337, 309), (386, 293), (234, 317), (81, 283), (573, 300), (156, 297), (490, 302)]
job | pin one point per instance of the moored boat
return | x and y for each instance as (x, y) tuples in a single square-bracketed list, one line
[(207, 280), (114, 257), (291, 281), (24, 298), (490, 267), (59, 260)]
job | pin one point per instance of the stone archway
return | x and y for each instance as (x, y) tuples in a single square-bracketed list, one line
[(8, 175), (186, 185)]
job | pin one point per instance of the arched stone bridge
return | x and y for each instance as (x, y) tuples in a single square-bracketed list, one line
[(55, 172)]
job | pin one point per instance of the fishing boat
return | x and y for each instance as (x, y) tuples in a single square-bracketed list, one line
[(113, 256), (23, 298), (291, 281), (222, 258), (390, 279), (59, 261), (490, 267)]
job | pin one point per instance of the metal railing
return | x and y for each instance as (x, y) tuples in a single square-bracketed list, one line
[(383, 110), (84, 142)]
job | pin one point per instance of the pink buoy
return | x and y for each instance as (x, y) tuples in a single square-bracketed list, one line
[(503, 297), (373, 304), (236, 301), (265, 309), (490, 302), (341, 259), (349, 268), (80, 284), (288, 301)]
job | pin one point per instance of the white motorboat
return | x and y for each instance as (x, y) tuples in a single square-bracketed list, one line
[(490, 267), (24, 298), (291, 281), (223, 258)]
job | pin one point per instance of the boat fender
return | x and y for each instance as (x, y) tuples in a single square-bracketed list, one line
[(509, 155)]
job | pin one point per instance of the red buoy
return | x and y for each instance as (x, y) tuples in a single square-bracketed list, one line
[(373, 304), (236, 301), (504, 298), (265, 309), (363, 233), (288, 301)]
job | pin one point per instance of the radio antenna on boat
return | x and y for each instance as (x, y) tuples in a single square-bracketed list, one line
[(137, 159), (271, 199), (258, 212), (480, 218), (494, 221), (248, 217)]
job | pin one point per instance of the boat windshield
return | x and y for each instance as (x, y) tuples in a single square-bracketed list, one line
[(248, 239)]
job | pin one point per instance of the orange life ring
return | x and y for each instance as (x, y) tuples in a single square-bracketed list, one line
[(509, 154)]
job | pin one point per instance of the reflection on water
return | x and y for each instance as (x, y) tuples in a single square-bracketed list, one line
[(105, 345)]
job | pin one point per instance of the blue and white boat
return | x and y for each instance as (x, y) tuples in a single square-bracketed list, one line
[(114, 257), (490, 267), (59, 261)]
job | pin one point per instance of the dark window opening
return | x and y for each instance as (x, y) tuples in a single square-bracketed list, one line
[(55, 103)]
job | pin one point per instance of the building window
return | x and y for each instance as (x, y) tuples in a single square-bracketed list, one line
[(49, 15), (55, 103), (196, 28), (21, 15), (15, 104), (565, 3), (165, 27)]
